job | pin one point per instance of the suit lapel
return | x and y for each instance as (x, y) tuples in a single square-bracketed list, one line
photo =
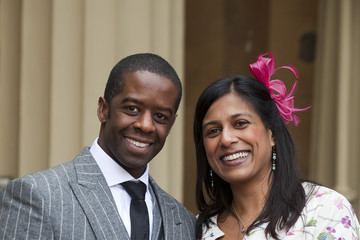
[(96, 200), (157, 231), (169, 213)]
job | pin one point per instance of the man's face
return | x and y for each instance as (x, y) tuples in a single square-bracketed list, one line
[(134, 126)]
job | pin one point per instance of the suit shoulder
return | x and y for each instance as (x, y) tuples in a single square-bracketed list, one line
[(46, 179), (62, 172)]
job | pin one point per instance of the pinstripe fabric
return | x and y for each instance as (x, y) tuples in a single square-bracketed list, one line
[(73, 201)]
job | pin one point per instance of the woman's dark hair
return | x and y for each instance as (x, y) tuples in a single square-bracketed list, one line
[(286, 197)]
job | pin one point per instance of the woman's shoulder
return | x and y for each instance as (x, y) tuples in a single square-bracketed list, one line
[(211, 231), (329, 213), (323, 195)]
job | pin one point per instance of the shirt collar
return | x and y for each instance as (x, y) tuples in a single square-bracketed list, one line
[(213, 232), (114, 174)]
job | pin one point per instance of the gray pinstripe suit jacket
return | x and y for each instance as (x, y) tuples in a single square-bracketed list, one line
[(73, 201)]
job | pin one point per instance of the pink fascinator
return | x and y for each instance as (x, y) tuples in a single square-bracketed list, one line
[(262, 70)]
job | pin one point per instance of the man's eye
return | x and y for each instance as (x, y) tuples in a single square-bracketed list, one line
[(132, 109), (160, 117)]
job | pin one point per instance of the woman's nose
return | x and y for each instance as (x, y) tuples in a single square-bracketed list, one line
[(228, 137)]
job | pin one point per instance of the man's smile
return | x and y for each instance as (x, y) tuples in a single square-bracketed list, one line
[(139, 144)]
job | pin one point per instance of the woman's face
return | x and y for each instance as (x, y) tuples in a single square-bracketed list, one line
[(237, 144)]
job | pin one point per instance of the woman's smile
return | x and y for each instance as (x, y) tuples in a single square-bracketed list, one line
[(235, 156)]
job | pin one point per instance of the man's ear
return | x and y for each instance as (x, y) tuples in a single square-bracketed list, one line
[(103, 110)]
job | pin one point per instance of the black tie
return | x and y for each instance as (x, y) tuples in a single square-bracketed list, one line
[(139, 216)]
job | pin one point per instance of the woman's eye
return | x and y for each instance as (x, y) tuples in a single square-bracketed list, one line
[(212, 132), (241, 123)]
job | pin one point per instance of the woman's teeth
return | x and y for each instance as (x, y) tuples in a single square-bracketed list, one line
[(235, 156)]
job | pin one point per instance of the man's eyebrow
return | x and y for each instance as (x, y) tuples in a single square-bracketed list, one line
[(130, 99), (134, 100), (165, 109)]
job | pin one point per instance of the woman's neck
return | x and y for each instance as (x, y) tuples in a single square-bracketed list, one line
[(249, 198)]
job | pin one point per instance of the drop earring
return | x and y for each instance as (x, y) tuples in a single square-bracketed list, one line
[(273, 158), (211, 180)]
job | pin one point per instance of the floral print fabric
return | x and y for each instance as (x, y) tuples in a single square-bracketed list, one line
[(327, 215)]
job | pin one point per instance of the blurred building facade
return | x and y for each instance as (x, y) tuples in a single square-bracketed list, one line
[(55, 57)]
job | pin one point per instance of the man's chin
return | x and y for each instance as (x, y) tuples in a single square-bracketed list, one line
[(133, 164)]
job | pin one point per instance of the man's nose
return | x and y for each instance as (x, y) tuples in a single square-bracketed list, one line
[(145, 122)]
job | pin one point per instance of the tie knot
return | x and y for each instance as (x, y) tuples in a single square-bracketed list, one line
[(136, 190)]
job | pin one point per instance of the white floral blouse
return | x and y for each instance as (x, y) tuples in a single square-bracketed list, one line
[(327, 215)]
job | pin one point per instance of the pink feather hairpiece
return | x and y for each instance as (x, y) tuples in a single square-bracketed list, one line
[(262, 70)]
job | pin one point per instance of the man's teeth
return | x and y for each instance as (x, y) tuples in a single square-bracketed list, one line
[(138, 144), (235, 156)]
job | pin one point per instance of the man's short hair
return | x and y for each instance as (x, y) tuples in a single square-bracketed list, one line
[(140, 62)]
